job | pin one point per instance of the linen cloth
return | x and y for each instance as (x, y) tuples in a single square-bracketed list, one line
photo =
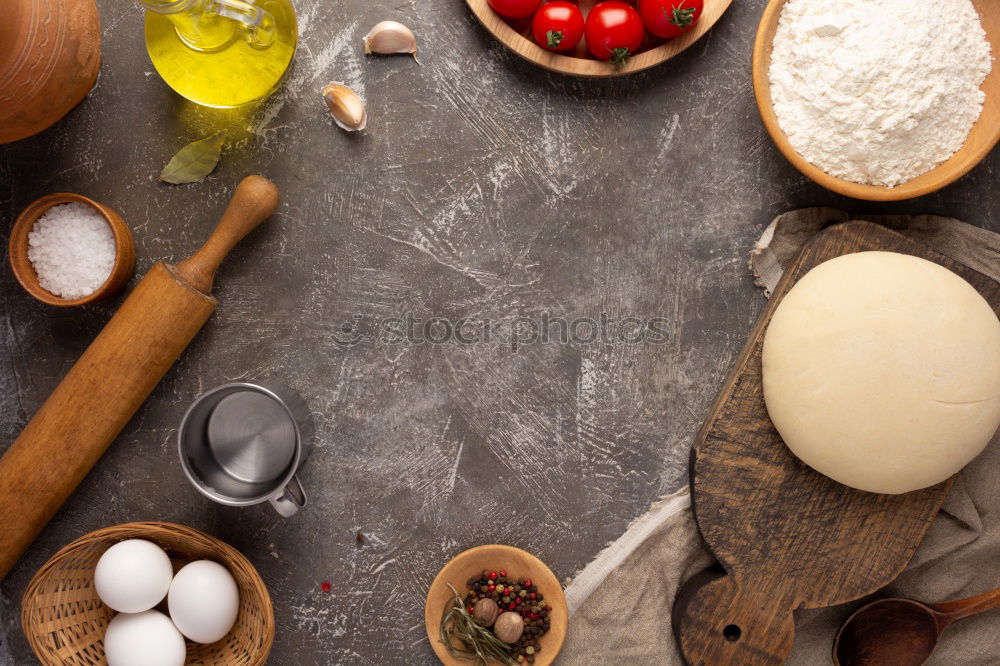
[(621, 603)]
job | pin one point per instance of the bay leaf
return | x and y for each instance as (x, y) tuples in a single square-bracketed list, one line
[(195, 160)]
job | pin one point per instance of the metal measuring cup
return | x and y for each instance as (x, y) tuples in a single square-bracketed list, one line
[(241, 444)]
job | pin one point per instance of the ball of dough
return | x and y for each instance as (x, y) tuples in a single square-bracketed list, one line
[(882, 371)]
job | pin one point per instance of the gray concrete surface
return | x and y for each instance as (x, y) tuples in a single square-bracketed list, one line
[(483, 187)]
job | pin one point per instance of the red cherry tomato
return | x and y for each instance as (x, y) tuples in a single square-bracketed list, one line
[(614, 31), (515, 9), (558, 26), (670, 18)]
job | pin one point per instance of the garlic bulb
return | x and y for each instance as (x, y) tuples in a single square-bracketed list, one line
[(346, 107), (390, 37)]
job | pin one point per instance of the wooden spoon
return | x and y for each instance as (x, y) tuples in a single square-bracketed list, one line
[(983, 137), (902, 632)]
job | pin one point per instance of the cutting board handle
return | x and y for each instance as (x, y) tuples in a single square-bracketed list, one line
[(718, 620), (254, 200)]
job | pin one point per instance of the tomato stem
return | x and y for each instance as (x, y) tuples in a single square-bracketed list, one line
[(619, 56), (555, 37), (682, 17)]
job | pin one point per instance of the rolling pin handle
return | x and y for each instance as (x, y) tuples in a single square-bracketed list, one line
[(254, 200)]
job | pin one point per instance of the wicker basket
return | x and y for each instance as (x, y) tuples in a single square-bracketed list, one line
[(64, 620)]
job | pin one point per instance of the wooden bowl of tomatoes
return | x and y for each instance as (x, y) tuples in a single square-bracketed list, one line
[(598, 38)]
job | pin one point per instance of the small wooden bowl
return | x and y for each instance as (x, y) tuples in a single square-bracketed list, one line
[(516, 35), (25, 272), (517, 563), (64, 620), (983, 137)]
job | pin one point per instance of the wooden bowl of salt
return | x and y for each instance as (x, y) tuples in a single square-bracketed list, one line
[(67, 260)]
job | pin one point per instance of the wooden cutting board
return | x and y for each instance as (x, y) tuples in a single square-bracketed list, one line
[(787, 536)]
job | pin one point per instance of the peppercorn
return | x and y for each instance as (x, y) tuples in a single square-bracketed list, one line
[(515, 596)]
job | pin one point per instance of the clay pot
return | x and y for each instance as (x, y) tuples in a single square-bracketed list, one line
[(50, 51)]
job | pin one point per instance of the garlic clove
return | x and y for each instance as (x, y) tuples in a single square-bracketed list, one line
[(390, 37), (346, 107)]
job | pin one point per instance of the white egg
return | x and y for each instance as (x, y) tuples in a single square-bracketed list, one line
[(143, 639), (204, 601), (133, 576)]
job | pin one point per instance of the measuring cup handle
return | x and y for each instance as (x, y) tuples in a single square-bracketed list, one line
[(291, 499)]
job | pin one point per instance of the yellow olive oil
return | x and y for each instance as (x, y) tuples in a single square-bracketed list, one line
[(216, 60)]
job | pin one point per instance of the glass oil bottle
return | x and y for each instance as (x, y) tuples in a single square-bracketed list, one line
[(221, 53)]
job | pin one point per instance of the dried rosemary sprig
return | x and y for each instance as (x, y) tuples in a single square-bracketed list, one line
[(480, 643)]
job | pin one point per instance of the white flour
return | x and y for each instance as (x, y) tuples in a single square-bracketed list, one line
[(878, 91)]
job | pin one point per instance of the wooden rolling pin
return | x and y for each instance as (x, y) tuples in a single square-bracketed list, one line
[(114, 377)]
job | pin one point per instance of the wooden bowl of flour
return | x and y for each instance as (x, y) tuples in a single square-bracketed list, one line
[(984, 135), (24, 271)]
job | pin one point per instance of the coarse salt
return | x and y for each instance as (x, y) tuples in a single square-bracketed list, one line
[(72, 248)]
